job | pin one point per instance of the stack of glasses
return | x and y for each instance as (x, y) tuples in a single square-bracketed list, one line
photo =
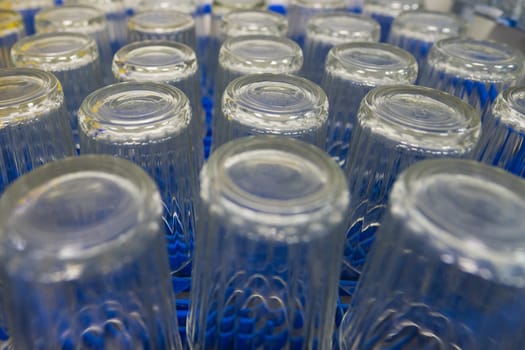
[(178, 175)]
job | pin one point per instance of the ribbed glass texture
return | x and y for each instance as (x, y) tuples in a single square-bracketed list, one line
[(446, 271), (27, 9), (116, 17), (80, 19), (300, 11), (268, 252), (164, 62), (385, 11), (272, 104), (255, 54), (397, 126), (502, 142), (83, 258), (475, 71), (351, 71), (328, 30), (162, 25), (72, 57), (11, 30), (150, 124), (418, 31), (34, 127)]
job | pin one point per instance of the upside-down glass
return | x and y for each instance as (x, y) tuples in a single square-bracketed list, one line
[(162, 25), (80, 19), (300, 11), (418, 31), (351, 71), (255, 54), (116, 17), (385, 11), (328, 30), (11, 30), (272, 104), (164, 62), (186, 6), (446, 271), (476, 71), (34, 127), (27, 9), (396, 127), (502, 141), (150, 124), (72, 57), (268, 252), (83, 258)]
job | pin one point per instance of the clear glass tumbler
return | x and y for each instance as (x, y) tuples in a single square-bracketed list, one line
[(72, 57), (150, 124), (502, 140), (447, 269), (34, 127), (268, 252), (385, 11), (418, 31), (272, 104), (163, 62), (328, 30), (11, 30), (397, 126), (83, 258), (300, 11), (351, 71), (27, 9), (162, 25), (476, 71), (80, 19)]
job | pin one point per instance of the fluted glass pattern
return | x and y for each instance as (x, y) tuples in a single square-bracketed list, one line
[(268, 251), (328, 30), (272, 104), (80, 19), (11, 30), (162, 25), (385, 11), (72, 57), (502, 141), (35, 126), (351, 71), (116, 17), (418, 31), (150, 124), (397, 126), (300, 11), (83, 258), (446, 271), (475, 71)]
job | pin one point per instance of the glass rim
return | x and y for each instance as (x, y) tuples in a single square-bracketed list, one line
[(67, 17), (456, 242), (220, 192), (239, 4), (30, 188), (10, 22), (393, 65), (391, 8), (237, 21), (455, 127), (46, 93), (509, 107), (173, 21), (406, 21), (355, 27), (85, 52), (315, 4), (125, 67), (240, 103), (107, 6), (290, 60), (504, 62), (171, 117), (23, 5)]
